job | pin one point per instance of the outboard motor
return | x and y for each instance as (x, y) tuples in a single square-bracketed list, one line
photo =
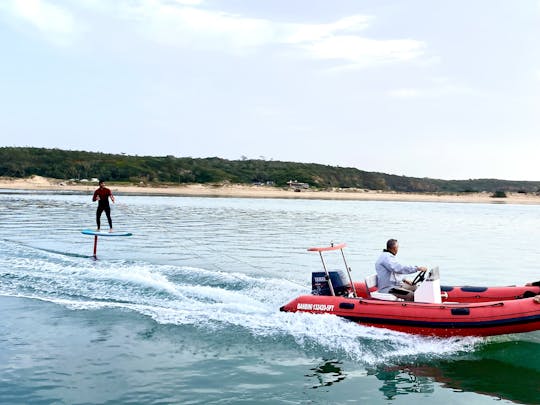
[(319, 284)]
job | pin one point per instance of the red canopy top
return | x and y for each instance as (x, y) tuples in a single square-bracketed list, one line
[(326, 249)]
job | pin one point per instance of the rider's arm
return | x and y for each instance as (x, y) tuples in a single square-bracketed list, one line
[(398, 268)]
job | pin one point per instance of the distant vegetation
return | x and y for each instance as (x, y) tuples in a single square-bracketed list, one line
[(63, 164)]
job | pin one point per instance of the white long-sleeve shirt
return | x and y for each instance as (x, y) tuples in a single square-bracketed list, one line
[(387, 268)]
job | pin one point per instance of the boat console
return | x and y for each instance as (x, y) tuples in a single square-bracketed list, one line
[(429, 290)]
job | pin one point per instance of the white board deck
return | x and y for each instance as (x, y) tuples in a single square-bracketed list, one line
[(105, 233)]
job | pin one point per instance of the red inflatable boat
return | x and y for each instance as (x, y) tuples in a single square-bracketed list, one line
[(440, 311)]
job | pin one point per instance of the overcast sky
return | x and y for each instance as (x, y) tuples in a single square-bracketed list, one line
[(441, 89)]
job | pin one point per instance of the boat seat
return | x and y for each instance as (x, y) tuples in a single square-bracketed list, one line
[(371, 281), (385, 296)]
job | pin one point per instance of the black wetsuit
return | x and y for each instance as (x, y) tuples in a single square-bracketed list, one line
[(103, 205)]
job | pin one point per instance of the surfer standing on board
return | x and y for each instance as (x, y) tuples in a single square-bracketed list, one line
[(101, 195)]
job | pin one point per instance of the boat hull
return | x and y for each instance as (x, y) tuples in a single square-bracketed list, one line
[(444, 320)]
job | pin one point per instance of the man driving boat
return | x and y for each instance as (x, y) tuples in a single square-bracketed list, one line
[(388, 270)]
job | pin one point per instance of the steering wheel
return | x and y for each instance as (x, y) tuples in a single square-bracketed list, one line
[(419, 277)]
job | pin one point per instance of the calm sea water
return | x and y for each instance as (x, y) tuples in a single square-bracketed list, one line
[(187, 309)]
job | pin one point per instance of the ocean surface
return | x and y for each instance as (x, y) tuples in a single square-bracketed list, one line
[(186, 311)]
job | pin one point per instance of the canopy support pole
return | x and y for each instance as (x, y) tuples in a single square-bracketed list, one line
[(327, 275), (349, 273)]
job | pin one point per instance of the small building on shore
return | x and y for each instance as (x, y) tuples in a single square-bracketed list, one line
[(297, 186)]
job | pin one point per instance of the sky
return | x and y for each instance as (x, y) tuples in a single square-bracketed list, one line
[(423, 88)]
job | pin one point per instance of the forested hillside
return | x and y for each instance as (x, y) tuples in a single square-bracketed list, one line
[(63, 164)]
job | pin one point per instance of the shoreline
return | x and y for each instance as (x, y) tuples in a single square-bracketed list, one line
[(37, 183)]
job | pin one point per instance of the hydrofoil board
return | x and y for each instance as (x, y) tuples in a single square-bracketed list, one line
[(105, 233)]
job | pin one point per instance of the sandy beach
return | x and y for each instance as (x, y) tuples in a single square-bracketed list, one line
[(37, 183)]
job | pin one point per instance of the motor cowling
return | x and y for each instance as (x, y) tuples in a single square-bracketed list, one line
[(319, 283)]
